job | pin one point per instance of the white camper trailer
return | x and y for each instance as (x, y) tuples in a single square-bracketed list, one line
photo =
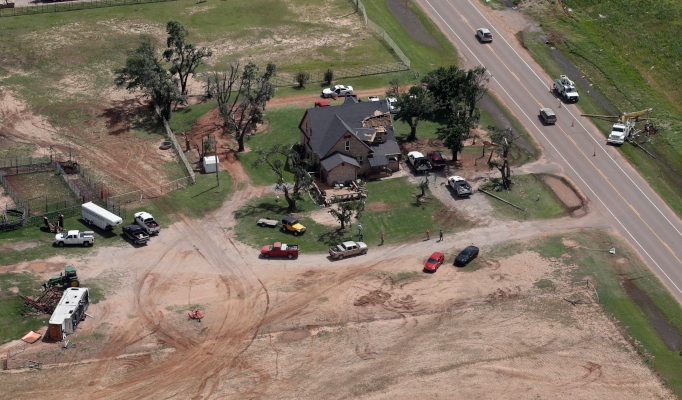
[(69, 312), (99, 217)]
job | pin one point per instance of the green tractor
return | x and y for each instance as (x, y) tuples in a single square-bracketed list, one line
[(67, 279)]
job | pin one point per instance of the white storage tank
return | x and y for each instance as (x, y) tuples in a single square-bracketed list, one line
[(210, 164)]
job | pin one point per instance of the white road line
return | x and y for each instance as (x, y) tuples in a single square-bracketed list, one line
[(598, 143), (557, 150)]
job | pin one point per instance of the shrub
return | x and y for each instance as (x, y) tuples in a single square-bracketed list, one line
[(328, 76), (302, 78)]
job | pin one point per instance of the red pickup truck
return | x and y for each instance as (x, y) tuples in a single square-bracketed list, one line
[(280, 250)]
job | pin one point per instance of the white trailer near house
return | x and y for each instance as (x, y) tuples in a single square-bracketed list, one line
[(69, 312), (99, 217)]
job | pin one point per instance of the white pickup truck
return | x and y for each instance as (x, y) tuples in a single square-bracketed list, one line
[(147, 223), (75, 237), (418, 161)]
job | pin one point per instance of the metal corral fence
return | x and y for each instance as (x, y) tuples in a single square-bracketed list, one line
[(69, 6), (404, 65), (24, 165), (176, 145), (148, 193)]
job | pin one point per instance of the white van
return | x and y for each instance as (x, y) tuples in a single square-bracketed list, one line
[(95, 215)]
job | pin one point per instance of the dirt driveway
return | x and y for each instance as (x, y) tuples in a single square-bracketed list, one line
[(373, 326)]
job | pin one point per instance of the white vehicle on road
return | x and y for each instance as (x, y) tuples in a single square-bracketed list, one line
[(459, 185)]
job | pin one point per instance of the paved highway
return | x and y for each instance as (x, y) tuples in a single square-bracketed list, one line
[(574, 143)]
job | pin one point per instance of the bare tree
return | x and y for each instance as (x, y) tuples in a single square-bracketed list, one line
[(242, 97), (185, 57), (504, 138), (278, 157), (345, 211)]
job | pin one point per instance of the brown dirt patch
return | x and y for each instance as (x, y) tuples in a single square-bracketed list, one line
[(379, 206), (565, 193)]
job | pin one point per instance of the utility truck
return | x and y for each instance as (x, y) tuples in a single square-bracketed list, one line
[(566, 89), (625, 126), (75, 238), (147, 223), (280, 249)]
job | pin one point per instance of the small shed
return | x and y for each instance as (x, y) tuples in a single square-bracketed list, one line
[(210, 164)]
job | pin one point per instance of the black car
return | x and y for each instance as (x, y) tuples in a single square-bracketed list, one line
[(136, 234), (466, 256)]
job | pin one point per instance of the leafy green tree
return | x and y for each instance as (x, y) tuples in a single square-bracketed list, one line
[(185, 57), (453, 88), (457, 130), (144, 71), (415, 105), (504, 138), (277, 158), (345, 211), (242, 96)]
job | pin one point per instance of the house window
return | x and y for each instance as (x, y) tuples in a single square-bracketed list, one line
[(361, 161), (347, 145)]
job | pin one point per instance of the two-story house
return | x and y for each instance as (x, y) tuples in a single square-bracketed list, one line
[(350, 140)]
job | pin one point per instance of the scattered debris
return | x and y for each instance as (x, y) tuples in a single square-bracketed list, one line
[(574, 302), (196, 314), (45, 303), (31, 337)]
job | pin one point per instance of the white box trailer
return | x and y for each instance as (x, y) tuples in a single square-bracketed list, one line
[(69, 312), (99, 217)]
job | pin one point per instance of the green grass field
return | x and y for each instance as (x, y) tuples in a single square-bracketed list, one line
[(391, 208), (530, 193), (12, 324)]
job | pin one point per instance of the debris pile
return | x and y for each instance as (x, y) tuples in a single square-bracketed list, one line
[(45, 303)]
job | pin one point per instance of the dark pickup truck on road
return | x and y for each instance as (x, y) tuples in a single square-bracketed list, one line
[(280, 250)]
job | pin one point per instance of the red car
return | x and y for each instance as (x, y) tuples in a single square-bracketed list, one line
[(434, 262)]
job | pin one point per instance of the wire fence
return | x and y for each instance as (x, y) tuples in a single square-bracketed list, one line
[(403, 65), (69, 6), (343, 73), (149, 193), (176, 145), (24, 165)]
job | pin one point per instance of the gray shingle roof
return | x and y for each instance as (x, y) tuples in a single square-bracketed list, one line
[(329, 124), (336, 159)]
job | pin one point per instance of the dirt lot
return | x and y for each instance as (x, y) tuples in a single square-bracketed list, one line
[(368, 327), (371, 327)]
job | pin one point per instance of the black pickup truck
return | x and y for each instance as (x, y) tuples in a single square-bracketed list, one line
[(136, 234)]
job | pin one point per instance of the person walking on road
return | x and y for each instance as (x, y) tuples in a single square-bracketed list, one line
[(428, 235), (441, 236), (382, 239)]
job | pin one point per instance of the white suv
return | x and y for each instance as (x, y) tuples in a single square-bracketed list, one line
[(484, 35)]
